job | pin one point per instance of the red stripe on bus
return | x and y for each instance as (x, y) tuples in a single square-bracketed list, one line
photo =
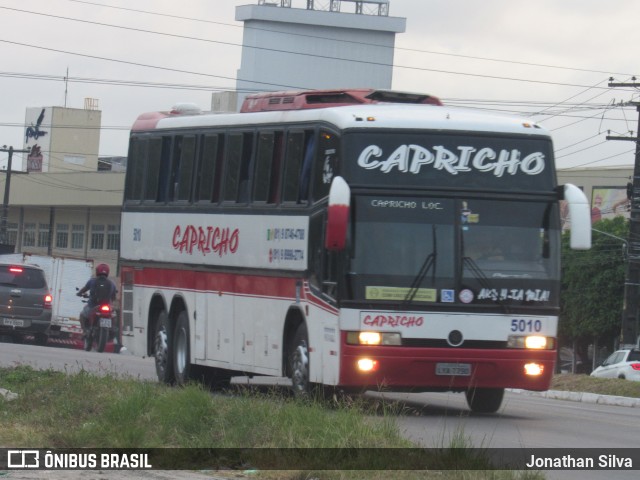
[(265, 286)]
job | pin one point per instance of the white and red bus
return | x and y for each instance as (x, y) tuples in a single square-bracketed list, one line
[(346, 239)]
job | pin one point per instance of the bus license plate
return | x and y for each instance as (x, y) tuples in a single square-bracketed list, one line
[(453, 369), (105, 322), (10, 322)]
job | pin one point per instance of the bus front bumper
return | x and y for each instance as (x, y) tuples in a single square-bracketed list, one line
[(438, 369)]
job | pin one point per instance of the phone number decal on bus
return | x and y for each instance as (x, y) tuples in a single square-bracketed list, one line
[(206, 240)]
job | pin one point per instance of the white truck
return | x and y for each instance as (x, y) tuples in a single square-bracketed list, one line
[(63, 276)]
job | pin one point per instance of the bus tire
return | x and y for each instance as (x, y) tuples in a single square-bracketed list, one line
[(484, 400), (163, 349), (182, 351), (299, 362)]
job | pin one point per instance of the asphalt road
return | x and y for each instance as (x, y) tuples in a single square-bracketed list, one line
[(430, 419)]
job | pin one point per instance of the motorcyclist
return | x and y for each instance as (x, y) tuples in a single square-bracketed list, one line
[(96, 286)]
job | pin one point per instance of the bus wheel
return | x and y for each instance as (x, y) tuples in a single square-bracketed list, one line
[(299, 362), (163, 349), (181, 351), (484, 400)]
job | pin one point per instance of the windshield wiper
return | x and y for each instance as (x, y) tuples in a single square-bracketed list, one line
[(428, 264)]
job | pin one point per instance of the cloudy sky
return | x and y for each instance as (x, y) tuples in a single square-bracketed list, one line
[(549, 60)]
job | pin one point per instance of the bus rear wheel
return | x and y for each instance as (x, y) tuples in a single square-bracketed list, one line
[(484, 400), (299, 362), (163, 349), (182, 350)]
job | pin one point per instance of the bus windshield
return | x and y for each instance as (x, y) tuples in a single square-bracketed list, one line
[(430, 249)]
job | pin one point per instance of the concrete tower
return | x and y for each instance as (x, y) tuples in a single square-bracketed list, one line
[(287, 48)]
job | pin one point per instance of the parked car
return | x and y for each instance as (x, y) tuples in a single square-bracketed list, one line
[(620, 364), (25, 302)]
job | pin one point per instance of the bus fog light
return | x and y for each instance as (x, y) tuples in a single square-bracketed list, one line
[(533, 369), (367, 365)]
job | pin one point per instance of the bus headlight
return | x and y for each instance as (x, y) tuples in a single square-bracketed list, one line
[(373, 338), (532, 342)]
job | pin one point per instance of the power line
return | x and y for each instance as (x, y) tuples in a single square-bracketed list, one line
[(431, 52), (306, 54)]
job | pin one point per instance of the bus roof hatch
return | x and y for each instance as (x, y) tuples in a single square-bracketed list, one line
[(304, 99)]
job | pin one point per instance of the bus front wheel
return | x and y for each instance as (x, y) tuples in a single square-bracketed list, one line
[(163, 349), (299, 362), (484, 400)]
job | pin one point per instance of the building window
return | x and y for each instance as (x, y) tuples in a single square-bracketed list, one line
[(29, 235), (77, 236), (12, 233), (43, 235), (113, 237), (97, 237), (62, 235)]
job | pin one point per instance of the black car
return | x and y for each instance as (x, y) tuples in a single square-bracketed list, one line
[(25, 302)]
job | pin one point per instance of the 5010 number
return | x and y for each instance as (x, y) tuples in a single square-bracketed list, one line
[(522, 325)]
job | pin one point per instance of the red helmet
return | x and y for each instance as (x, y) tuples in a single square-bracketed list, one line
[(102, 269)]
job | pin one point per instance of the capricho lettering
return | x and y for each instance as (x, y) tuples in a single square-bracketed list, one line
[(412, 158), (206, 240), (393, 321)]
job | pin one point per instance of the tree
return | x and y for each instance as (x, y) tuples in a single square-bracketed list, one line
[(592, 294)]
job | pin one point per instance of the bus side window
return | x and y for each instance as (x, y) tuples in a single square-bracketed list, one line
[(185, 174), (154, 155), (326, 166), (208, 154), (232, 167), (210, 168), (276, 168), (264, 160), (266, 178), (307, 164), (293, 166), (245, 168), (217, 176), (164, 170), (176, 155), (135, 172)]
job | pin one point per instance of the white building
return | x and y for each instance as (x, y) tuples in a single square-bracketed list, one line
[(286, 48), (59, 203)]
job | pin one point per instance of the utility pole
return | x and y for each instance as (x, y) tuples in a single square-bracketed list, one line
[(7, 183), (630, 328)]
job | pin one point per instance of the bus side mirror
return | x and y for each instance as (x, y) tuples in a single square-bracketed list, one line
[(580, 215), (337, 215)]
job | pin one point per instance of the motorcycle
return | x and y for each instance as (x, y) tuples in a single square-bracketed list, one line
[(101, 326)]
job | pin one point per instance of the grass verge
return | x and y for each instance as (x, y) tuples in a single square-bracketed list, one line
[(56, 410), (603, 386)]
